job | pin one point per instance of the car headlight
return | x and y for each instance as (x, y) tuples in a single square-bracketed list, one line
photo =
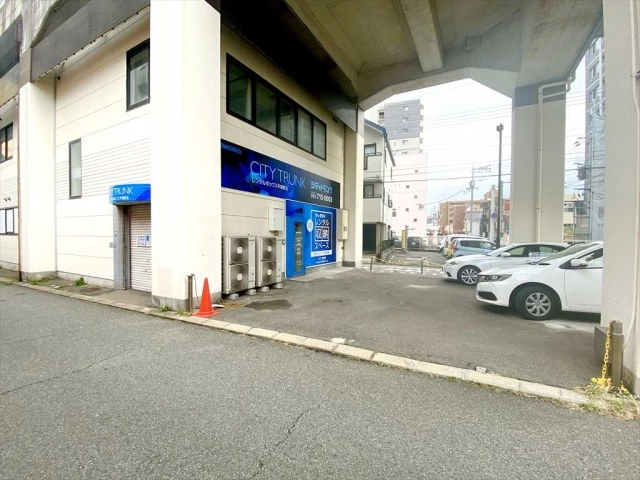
[(492, 278), (451, 262)]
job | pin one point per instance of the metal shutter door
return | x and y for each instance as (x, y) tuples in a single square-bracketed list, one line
[(140, 225)]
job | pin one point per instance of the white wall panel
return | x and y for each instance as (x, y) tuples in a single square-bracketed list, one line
[(95, 225), (128, 164), (9, 184), (85, 207), (122, 163), (247, 214), (85, 73), (88, 246), (104, 95), (9, 251), (80, 266)]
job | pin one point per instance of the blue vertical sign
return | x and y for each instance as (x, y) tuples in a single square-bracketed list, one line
[(323, 225), (318, 243)]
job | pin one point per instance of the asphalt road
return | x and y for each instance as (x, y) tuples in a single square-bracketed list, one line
[(395, 309), (89, 391)]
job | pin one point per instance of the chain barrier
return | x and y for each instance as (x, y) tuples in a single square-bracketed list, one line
[(607, 350)]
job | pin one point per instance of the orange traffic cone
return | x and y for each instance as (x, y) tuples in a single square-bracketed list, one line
[(206, 310)]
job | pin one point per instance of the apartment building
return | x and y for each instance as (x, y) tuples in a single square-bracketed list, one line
[(378, 177)]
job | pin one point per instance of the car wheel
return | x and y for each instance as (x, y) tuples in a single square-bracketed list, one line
[(536, 303), (468, 275)]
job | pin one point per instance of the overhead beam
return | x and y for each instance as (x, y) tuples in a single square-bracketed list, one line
[(422, 19)]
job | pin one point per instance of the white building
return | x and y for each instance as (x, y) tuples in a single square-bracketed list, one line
[(404, 122), (593, 173), (378, 175), (141, 145)]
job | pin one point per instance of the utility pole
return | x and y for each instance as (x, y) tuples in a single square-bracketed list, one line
[(472, 184), (499, 129)]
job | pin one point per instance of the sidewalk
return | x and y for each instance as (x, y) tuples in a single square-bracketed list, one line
[(367, 316)]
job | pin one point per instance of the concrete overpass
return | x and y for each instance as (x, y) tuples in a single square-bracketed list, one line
[(355, 54)]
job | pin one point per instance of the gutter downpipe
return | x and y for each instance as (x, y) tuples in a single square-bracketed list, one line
[(541, 99)]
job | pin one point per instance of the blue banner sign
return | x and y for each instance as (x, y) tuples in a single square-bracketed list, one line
[(315, 243), (131, 193), (322, 241), (250, 171)]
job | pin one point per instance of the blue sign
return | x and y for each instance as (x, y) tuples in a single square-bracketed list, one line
[(323, 226), (250, 171), (315, 243), (131, 193)]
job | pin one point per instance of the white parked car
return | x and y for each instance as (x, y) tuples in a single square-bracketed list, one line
[(465, 269), (570, 280)]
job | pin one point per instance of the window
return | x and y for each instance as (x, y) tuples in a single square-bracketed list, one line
[(304, 130), (138, 76), (6, 143), (594, 259), (287, 121), (319, 138), (368, 190), (252, 99), (517, 252), (266, 108), (9, 221), (370, 149), (75, 169), (238, 92)]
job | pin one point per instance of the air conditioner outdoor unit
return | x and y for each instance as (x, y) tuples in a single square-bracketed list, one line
[(269, 261), (238, 264)]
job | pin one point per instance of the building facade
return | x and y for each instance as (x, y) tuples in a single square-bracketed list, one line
[(378, 177), (134, 164), (593, 171), (404, 123)]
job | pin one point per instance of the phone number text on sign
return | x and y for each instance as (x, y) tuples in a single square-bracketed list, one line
[(322, 225)]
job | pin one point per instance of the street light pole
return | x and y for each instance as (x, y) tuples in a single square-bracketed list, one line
[(499, 129)]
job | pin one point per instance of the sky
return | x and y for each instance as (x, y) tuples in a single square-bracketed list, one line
[(460, 120)]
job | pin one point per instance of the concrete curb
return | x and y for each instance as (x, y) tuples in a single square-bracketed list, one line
[(514, 385)]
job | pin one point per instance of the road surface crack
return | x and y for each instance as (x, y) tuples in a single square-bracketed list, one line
[(87, 367), (290, 429)]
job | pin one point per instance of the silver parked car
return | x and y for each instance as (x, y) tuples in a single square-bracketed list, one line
[(465, 269)]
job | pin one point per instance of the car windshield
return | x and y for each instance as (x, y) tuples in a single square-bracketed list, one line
[(565, 253)]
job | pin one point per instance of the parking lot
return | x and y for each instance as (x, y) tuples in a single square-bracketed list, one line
[(402, 308)]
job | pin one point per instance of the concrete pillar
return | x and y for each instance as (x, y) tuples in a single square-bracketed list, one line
[(185, 148), (353, 191), (620, 285), (36, 178), (537, 165)]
